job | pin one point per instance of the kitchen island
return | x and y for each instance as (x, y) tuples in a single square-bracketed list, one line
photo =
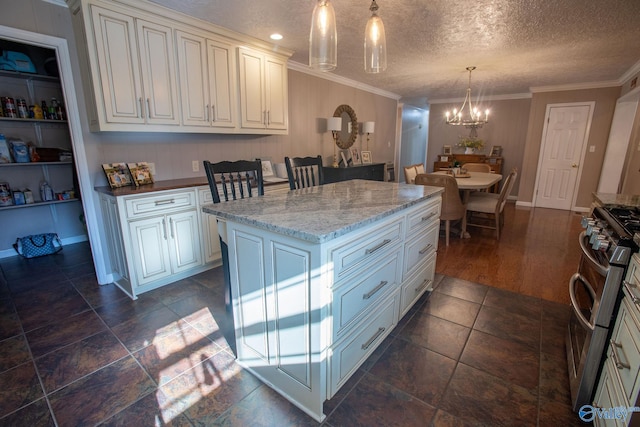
[(321, 275)]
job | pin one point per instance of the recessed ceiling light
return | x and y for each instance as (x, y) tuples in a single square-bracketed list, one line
[(276, 36)]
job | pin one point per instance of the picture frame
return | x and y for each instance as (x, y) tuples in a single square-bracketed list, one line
[(267, 168), (444, 158), (446, 150), (117, 174), (140, 173), (366, 157), (343, 160), (355, 156), (496, 151)]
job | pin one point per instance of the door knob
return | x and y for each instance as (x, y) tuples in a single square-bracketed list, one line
[(574, 165)]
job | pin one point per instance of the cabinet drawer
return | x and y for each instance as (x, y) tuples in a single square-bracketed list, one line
[(370, 244), (350, 353), (608, 395), (420, 248), (625, 343), (353, 301), (418, 284), (159, 203), (423, 217)]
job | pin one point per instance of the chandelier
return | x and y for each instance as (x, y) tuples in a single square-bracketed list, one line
[(475, 118), (375, 43), (323, 37)]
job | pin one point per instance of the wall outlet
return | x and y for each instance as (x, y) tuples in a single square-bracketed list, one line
[(195, 165)]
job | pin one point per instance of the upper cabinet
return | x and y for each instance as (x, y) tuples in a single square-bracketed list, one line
[(137, 73), (263, 90), (154, 70), (207, 81)]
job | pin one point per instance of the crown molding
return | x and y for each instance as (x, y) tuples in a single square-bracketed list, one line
[(576, 86), (635, 69), (57, 3), (296, 66)]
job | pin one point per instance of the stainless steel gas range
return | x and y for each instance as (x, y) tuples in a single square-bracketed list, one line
[(607, 244)]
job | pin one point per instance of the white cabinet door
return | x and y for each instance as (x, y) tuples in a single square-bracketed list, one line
[(211, 240), (137, 69), (184, 241), (207, 81), (222, 84), (263, 91), (252, 103), (150, 249), (117, 53), (160, 105), (277, 100)]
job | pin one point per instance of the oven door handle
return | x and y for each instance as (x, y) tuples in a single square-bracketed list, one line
[(574, 300), (586, 251)]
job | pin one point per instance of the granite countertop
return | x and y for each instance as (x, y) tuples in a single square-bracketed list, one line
[(170, 184), (617, 199), (319, 214)]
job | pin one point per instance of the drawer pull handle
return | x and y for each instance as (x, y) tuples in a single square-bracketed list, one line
[(423, 285), (616, 358), (375, 336), (376, 247), (426, 249), (428, 217), (628, 285), (373, 291), (165, 202)]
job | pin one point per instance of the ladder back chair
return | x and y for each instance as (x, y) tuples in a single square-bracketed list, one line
[(486, 210), (477, 167), (238, 180), (304, 172)]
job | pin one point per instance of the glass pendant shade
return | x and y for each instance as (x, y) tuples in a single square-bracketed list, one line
[(323, 38), (375, 44)]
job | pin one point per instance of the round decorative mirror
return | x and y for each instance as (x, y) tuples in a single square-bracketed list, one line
[(347, 136)]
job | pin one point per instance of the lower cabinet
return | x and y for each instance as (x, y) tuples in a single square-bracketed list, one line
[(619, 383), (158, 238)]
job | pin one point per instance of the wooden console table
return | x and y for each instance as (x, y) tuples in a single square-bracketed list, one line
[(372, 172)]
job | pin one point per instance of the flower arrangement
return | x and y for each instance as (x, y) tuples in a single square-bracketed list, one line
[(468, 142)]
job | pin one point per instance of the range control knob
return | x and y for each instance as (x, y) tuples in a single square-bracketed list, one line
[(601, 244), (585, 221), (595, 232), (590, 225)]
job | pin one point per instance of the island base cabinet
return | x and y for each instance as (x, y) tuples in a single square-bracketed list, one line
[(608, 396)]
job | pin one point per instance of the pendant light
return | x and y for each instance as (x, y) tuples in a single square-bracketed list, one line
[(375, 44), (323, 37)]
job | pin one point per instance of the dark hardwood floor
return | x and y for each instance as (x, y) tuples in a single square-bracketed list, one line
[(536, 255)]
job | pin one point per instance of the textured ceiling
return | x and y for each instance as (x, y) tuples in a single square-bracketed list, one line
[(515, 44)]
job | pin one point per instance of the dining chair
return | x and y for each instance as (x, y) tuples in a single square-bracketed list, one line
[(304, 171), (411, 171), (486, 210), (452, 208), (477, 167), (238, 180)]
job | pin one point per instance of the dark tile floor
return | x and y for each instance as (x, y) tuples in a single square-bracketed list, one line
[(73, 353)]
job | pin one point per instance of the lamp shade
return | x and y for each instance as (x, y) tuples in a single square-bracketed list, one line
[(368, 127), (323, 37), (334, 123)]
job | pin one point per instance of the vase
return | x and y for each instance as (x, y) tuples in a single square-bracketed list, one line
[(469, 150)]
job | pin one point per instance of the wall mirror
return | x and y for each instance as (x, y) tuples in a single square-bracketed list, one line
[(347, 136)]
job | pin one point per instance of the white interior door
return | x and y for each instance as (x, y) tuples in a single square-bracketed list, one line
[(563, 145)]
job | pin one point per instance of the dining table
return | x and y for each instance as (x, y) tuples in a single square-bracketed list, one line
[(472, 181)]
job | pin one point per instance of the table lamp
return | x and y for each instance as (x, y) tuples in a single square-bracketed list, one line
[(368, 127), (334, 124)]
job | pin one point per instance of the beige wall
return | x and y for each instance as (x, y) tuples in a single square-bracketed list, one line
[(605, 101), (507, 127)]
